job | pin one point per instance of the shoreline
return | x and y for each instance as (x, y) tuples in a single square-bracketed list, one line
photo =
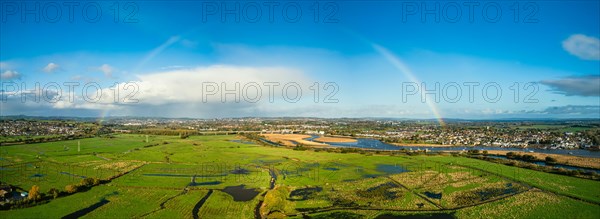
[(329, 139), (288, 139), (421, 145)]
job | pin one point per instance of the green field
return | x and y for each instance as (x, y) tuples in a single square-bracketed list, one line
[(214, 177)]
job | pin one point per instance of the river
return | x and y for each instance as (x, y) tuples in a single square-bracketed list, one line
[(368, 143)]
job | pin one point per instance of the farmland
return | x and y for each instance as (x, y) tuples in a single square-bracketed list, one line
[(219, 176)]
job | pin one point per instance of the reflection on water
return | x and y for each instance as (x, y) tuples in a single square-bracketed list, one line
[(368, 143), (208, 183), (433, 195), (241, 141), (391, 169), (240, 193)]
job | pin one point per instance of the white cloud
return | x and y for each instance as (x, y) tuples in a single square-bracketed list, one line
[(185, 85), (107, 70), (582, 46), (9, 75), (179, 92), (51, 67)]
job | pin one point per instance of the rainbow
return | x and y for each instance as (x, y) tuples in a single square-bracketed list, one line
[(396, 62), (153, 53), (103, 114)]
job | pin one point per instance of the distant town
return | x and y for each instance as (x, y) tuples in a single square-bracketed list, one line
[(546, 134)]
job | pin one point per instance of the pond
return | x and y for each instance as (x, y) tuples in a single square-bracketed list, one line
[(488, 193), (240, 171), (37, 175), (304, 193), (208, 183), (241, 141), (383, 190), (240, 193), (433, 195), (391, 169)]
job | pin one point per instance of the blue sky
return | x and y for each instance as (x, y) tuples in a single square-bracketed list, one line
[(172, 52)]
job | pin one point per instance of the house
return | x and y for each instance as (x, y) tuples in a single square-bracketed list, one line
[(8, 195), (5, 191)]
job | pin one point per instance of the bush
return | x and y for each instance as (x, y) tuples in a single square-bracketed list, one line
[(71, 188), (511, 155), (53, 192), (528, 157), (550, 159), (89, 182), (34, 193), (275, 201), (475, 151), (300, 147)]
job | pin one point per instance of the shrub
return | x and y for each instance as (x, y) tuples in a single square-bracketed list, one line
[(87, 182), (550, 159), (54, 192), (510, 155), (34, 193), (71, 188), (475, 151), (275, 201), (528, 157)]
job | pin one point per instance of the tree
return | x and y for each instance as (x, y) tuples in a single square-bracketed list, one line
[(34, 193), (54, 192), (550, 159), (510, 155), (89, 182), (71, 188)]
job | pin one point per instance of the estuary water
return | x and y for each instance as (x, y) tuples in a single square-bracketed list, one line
[(368, 143)]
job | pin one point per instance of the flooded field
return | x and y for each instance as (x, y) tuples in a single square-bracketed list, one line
[(213, 177), (241, 193)]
